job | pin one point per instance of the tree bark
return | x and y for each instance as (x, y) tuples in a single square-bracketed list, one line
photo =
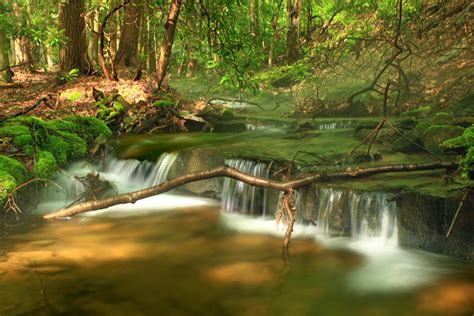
[(73, 55), (7, 74), (23, 47), (225, 171), (254, 17), (293, 12), (127, 53), (167, 43), (276, 33)]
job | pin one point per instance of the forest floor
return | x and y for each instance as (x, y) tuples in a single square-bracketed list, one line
[(72, 98)]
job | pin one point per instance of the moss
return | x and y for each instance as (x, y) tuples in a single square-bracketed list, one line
[(76, 146), (45, 165), (118, 107), (464, 144), (14, 168), (442, 118), (422, 111), (435, 135), (227, 114), (90, 127), (7, 184), (72, 95), (59, 148), (164, 103), (14, 130)]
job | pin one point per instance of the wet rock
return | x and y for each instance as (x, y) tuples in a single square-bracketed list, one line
[(199, 160), (424, 220)]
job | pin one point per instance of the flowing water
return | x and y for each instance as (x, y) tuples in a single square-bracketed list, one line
[(176, 254)]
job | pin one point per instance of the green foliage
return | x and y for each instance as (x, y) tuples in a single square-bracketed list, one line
[(464, 144), (70, 76), (164, 103), (435, 135), (284, 76), (45, 165)]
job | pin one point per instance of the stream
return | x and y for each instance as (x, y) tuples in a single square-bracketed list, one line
[(179, 254)]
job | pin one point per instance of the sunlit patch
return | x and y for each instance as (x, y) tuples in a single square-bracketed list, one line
[(245, 273), (453, 298)]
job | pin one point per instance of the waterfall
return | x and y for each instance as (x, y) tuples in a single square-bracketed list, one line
[(368, 216), (127, 175), (335, 125), (241, 197), (136, 173)]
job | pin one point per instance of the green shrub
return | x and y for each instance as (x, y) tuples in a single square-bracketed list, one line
[(435, 135), (463, 144)]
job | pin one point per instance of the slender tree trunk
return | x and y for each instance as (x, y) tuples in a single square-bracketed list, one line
[(127, 53), (73, 55), (23, 46), (309, 21), (7, 74), (167, 43), (276, 33), (293, 12), (94, 40), (113, 31), (254, 17)]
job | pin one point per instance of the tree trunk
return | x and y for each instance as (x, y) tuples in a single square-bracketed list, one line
[(7, 73), (94, 38), (113, 31), (167, 43), (254, 17), (73, 55), (127, 53), (293, 11), (23, 46), (276, 33)]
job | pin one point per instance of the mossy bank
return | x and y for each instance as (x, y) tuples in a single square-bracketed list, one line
[(34, 148)]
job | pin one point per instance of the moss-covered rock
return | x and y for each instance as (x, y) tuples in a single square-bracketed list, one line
[(14, 168), (45, 165), (463, 144), (7, 184), (422, 111), (442, 118), (435, 135)]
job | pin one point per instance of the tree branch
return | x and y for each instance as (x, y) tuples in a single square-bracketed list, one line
[(229, 172)]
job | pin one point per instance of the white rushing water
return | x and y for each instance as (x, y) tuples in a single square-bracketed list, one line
[(126, 175), (243, 198), (365, 222), (335, 125)]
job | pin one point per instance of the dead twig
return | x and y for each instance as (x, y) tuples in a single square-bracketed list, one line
[(457, 211)]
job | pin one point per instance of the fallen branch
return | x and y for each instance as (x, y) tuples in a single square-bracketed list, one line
[(37, 103), (288, 210), (229, 172)]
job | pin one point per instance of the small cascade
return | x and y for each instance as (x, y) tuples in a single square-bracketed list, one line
[(241, 197), (335, 125), (367, 216), (126, 175), (139, 174)]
